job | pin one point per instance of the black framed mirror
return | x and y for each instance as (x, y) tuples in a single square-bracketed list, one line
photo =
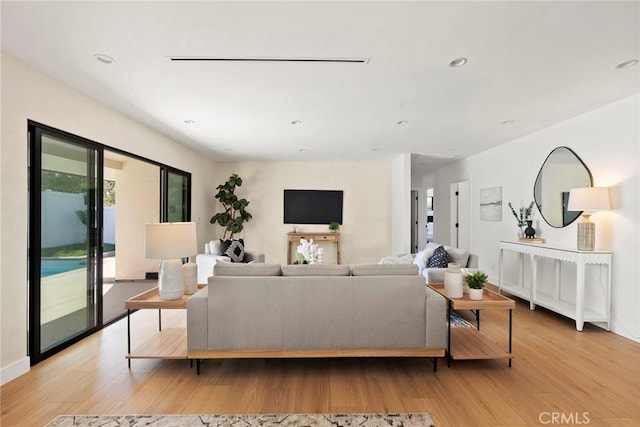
[(561, 171)]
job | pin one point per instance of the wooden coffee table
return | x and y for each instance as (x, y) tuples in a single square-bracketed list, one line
[(471, 343), (172, 342)]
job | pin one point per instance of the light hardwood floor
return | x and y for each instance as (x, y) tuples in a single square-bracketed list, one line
[(588, 378)]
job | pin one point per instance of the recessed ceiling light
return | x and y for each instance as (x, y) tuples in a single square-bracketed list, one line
[(402, 122), (627, 64), (228, 150), (302, 150), (458, 62), (296, 122), (375, 149), (105, 59), (507, 122), (189, 121)]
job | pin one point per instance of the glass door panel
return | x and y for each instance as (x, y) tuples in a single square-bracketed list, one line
[(68, 242), (176, 191)]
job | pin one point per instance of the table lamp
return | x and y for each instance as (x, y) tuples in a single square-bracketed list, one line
[(588, 199), (168, 242)]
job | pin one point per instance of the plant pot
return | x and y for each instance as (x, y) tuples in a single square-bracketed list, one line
[(475, 294)]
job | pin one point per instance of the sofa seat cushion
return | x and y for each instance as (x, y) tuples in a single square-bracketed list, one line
[(253, 269), (384, 270), (315, 270), (436, 275)]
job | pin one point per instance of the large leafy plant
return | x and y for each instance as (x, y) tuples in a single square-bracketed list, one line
[(235, 210)]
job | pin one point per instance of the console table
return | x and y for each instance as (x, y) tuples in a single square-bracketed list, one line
[(330, 237), (576, 311)]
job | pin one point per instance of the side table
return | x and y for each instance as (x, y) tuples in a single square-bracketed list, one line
[(172, 343), (471, 343)]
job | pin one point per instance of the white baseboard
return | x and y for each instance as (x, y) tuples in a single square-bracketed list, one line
[(14, 370)]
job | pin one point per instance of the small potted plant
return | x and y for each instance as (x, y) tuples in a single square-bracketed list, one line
[(476, 282), (334, 226)]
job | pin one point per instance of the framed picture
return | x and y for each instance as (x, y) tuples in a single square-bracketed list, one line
[(491, 204)]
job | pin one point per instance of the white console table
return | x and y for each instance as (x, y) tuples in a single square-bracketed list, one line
[(575, 311)]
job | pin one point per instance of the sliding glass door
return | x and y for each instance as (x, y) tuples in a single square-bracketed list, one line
[(175, 203), (68, 233), (65, 241)]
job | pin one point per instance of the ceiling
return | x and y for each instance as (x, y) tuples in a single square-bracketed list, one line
[(530, 65)]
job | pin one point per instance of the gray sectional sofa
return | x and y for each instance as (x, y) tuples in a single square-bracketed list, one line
[(268, 310)]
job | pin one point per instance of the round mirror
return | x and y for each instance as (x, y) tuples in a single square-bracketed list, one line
[(560, 172)]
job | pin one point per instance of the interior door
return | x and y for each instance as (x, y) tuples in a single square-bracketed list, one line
[(65, 241), (460, 215)]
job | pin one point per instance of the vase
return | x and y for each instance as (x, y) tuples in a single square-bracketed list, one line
[(453, 281), (530, 232), (520, 232), (475, 294)]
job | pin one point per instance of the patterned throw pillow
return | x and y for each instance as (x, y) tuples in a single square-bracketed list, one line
[(234, 249), (439, 259)]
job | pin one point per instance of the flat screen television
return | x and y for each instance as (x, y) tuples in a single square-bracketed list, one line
[(312, 206)]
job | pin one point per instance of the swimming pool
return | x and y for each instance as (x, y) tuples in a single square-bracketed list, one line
[(52, 266)]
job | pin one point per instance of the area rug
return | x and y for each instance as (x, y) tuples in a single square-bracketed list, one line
[(264, 420), (458, 321)]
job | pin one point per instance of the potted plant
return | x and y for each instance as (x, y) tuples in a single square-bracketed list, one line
[(235, 212), (522, 218), (334, 226), (476, 282)]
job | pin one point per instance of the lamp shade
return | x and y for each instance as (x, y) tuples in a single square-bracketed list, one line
[(170, 240), (589, 199)]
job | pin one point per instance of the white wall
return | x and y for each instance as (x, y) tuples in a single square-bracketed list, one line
[(401, 205), (608, 141), (365, 235), (29, 94), (137, 206)]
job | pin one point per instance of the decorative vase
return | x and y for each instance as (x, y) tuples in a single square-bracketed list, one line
[(475, 294), (453, 281), (520, 232), (190, 277), (530, 232)]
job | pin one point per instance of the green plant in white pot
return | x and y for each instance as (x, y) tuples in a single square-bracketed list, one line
[(233, 217), (235, 212), (476, 282)]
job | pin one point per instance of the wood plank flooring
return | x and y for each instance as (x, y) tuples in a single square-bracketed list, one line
[(556, 370)]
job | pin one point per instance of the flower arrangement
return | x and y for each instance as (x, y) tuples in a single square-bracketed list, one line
[(306, 252), (525, 213)]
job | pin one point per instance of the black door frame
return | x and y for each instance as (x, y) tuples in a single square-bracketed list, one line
[(94, 238), (34, 132)]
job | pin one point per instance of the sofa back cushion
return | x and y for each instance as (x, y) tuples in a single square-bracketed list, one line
[(315, 270), (253, 269), (459, 256), (384, 270)]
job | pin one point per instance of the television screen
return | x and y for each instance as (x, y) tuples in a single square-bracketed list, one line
[(312, 206)]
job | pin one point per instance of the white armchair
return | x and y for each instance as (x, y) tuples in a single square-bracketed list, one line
[(205, 263)]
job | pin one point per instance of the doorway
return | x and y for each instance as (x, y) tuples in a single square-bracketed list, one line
[(77, 188), (460, 215)]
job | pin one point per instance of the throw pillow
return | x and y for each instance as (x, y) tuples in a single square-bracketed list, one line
[(234, 249), (439, 259), (459, 256), (421, 260)]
